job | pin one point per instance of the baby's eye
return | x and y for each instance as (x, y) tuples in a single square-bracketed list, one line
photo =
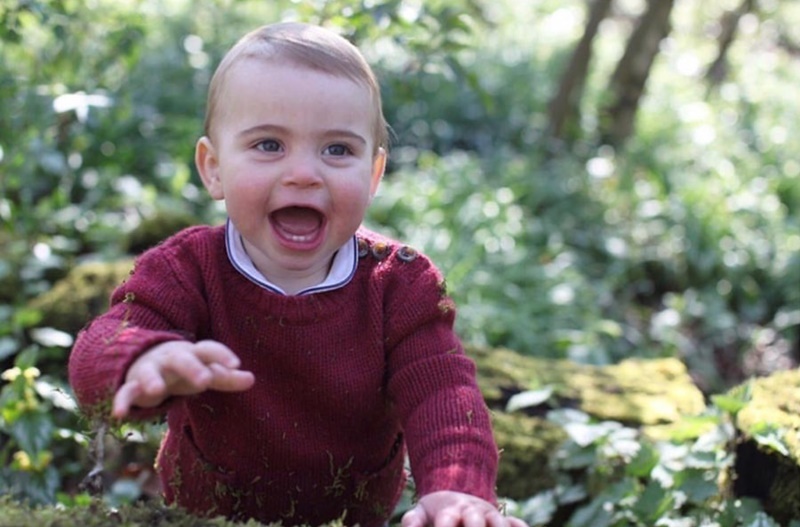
[(338, 150), (268, 145)]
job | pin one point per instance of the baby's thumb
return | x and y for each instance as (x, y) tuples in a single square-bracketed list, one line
[(416, 517)]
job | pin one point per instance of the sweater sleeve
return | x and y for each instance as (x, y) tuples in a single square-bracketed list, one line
[(156, 304), (433, 385)]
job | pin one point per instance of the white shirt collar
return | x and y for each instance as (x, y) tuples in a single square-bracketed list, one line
[(343, 267)]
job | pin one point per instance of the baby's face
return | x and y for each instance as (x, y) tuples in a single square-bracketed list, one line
[(292, 154)]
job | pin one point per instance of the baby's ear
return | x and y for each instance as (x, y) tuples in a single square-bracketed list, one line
[(378, 168), (205, 158)]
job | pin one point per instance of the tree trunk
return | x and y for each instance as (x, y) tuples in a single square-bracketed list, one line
[(729, 23), (630, 76), (564, 108)]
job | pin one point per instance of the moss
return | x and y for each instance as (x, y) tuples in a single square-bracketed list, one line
[(636, 392), (97, 514), (526, 445), (81, 295), (774, 404), (151, 231), (762, 471)]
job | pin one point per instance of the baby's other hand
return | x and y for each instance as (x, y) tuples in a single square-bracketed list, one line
[(455, 509), (179, 368)]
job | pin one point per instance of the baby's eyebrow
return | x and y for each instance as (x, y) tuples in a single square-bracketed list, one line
[(262, 129), (346, 133)]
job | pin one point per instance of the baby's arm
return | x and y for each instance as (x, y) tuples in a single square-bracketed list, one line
[(448, 508), (179, 368)]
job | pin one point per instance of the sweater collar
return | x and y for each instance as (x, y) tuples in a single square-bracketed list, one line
[(341, 272)]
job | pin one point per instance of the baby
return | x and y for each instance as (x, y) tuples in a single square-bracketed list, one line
[(296, 355)]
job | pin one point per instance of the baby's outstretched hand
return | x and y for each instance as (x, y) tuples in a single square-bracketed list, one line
[(455, 509), (179, 368)]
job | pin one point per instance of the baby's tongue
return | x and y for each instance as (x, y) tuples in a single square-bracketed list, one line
[(297, 221)]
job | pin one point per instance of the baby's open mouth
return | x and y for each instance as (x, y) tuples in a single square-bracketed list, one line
[(298, 224)]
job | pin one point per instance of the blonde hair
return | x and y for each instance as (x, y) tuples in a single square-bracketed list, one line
[(304, 45)]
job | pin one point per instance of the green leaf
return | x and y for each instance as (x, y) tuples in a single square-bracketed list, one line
[(771, 437), (644, 462), (737, 511), (692, 427), (762, 519), (26, 358), (571, 456), (733, 401), (698, 485), (27, 317), (653, 503), (600, 512), (32, 431), (571, 494), (8, 347), (540, 509)]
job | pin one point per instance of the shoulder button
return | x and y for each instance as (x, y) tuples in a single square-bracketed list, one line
[(407, 254), (363, 247), (380, 250)]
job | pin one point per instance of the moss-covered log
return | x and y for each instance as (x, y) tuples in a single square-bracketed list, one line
[(81, 295), (768, 453), (635, 392)]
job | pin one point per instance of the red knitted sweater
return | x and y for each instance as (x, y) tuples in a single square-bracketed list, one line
[(345, 381)]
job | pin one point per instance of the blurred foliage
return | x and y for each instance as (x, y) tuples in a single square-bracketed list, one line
[(686, 243)]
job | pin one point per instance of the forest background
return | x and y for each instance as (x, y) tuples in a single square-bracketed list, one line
[(598, 180)]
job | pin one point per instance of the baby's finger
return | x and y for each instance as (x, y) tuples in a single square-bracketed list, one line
[(448, 517), (210, 351), (150, 379), (416, 517), (228, 380), (496, 519), (189, 371), (473, 517), (123, 399)]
